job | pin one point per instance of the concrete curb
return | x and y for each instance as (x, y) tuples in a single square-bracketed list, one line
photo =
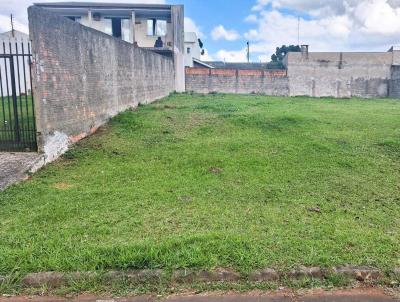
[(182, 276)]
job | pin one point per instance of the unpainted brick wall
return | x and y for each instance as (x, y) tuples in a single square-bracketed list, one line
[(83, 77), (270, 82)]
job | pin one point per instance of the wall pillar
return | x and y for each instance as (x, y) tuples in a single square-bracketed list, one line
[(177, 18), (132, 31), (90, 18)]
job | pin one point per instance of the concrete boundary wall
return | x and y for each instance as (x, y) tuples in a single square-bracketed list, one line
[(82, 78), (394, 91), (340, 75), (270, 82)]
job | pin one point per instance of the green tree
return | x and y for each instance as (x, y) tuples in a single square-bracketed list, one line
[(282, 51), (201, 46)]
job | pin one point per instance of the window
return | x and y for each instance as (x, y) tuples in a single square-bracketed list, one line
[(161, 28), (156, 27), (107, 26), (126, 30), (116, 27), (150, 27), (188, 50)]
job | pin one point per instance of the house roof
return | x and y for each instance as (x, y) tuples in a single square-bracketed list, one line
[(109, 9), (204, 64), (17, 33), (244, 65), (110, 5)]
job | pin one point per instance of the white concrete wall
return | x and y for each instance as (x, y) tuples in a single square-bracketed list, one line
[(339, 74)]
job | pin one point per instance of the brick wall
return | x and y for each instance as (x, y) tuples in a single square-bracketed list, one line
[(83, 77), (270, 82)]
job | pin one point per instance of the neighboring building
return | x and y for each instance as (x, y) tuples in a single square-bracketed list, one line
[(140, 24), (192, 48), (240, 66), (341, 74), (14, 42), (14, 35)]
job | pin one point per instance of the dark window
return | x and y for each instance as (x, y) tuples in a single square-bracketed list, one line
[(188, 50), (71, 18), (116, 27)]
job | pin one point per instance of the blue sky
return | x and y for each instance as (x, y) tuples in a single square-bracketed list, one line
[(329, 25), (226, 25), (209, 14)]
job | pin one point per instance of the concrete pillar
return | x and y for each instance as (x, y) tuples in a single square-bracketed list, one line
[(90, 18), (178, 30), (132, 32)]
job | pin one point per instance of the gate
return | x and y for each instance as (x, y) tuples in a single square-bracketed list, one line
[(17, 116)]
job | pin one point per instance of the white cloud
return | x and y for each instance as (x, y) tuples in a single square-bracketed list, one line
[(5, 24), (207, 56), (191, 26), (231, 56), (335, 25), (251, 18), (220, 32)]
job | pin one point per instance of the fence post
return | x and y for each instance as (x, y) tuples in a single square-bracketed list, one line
[(14, 98)]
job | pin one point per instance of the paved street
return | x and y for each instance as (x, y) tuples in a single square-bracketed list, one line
[(14, 166), (356, 295)]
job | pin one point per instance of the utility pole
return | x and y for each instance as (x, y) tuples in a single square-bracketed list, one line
[(298, 30), (248, 52), (12, 27)]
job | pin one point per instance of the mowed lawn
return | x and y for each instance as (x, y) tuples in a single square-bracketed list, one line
[(212, 181)]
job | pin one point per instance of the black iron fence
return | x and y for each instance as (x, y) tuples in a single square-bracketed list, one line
[(17, 116)]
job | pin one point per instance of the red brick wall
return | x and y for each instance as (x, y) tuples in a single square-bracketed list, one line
[(233, 72), (204, 80)]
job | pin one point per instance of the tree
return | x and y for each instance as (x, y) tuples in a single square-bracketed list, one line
[(282, 51), (201, 46)]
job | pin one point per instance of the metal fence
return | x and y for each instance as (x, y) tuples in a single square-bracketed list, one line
[(17, 116)]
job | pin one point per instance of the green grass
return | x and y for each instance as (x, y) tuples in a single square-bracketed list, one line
[(8, 133), (216, 181)]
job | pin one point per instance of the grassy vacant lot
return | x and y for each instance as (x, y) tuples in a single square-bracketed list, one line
[(216, 181)]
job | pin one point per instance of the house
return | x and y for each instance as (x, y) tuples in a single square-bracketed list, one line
[(233, 65), (192, 48), (140, 24), (14, 35), (15, 42)]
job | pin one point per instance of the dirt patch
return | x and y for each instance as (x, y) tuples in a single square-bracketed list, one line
[(215, 170), (62, 186)]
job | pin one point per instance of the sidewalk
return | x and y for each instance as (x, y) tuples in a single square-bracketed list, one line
[(14, 167)]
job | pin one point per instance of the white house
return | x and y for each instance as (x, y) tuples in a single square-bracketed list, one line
[(192, 48), (15, 42)]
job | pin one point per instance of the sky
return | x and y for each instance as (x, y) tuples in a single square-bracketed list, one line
[(225, 26)]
